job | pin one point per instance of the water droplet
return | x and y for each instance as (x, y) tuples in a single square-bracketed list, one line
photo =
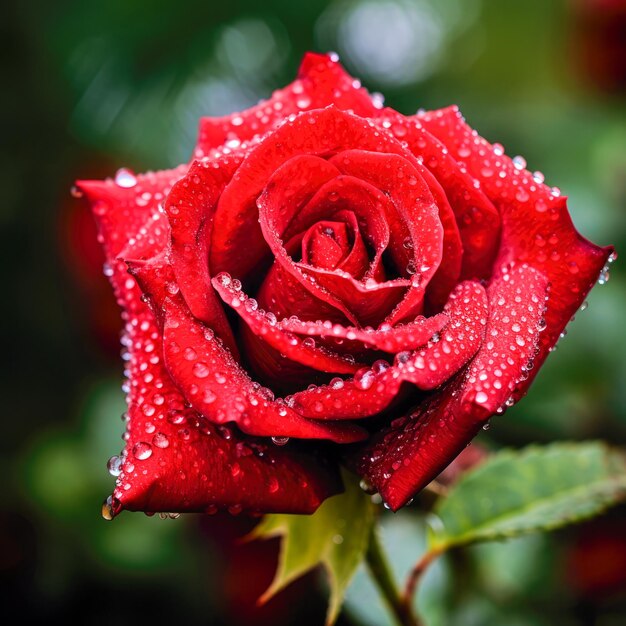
[(107, 509), (224, 279), (364, 378), (604, 276), (114, 465), (519, 162), (273, 485), (280, 441), (125, 178), (200, 370), (366, 486), (378, 100), (380, 366), (142, 450), (481, 397), (160, 440)]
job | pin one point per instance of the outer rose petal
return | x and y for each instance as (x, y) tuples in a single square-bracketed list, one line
[(190, 207), (121, 211), (176, 461), (321, 82), (475, 215), (536, 226), (186, 467), (415, 449)]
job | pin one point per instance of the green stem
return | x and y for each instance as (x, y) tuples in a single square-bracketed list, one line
[(415, 576), (383, 578)]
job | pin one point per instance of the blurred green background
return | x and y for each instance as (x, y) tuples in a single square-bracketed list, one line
[(90, 86)]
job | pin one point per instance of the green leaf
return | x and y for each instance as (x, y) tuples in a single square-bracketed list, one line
[(335, 536), (535, 489)]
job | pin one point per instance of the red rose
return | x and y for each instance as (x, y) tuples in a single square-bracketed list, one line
[(328, 271)]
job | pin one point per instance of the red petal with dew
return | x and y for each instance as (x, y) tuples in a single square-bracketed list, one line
[(322, 133), (217, 387), (264, 326), (409, 454), (190, 207), (321, 81), (477, 219), (174, 460), (536, 226), (371, 390)]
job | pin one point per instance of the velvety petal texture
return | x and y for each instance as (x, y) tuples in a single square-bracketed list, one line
[(321, 265)]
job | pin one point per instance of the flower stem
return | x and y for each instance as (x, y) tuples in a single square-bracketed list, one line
[(415, 576), (387, 587)]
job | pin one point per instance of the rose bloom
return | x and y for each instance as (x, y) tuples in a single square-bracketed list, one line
[(327, 282)]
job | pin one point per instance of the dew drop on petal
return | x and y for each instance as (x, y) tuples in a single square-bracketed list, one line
[(481, 397), (160, 440), (107, 509), (519, 162), (364, 378), (200, 370), (114, 465), (280, 441), (125, 178), (142, 450)]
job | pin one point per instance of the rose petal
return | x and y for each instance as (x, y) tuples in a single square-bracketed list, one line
[(387, 338), (121, 210), (476, 217), (366, 302), (325, 245), (372, 390), (264, 326), (320, 132), (185, 467), (177, 462), (536, 226), (357, 263), (218, 388), (417, 235), (415, 449), (190, 207), (321, 82), (353, 259), (284, 295)]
